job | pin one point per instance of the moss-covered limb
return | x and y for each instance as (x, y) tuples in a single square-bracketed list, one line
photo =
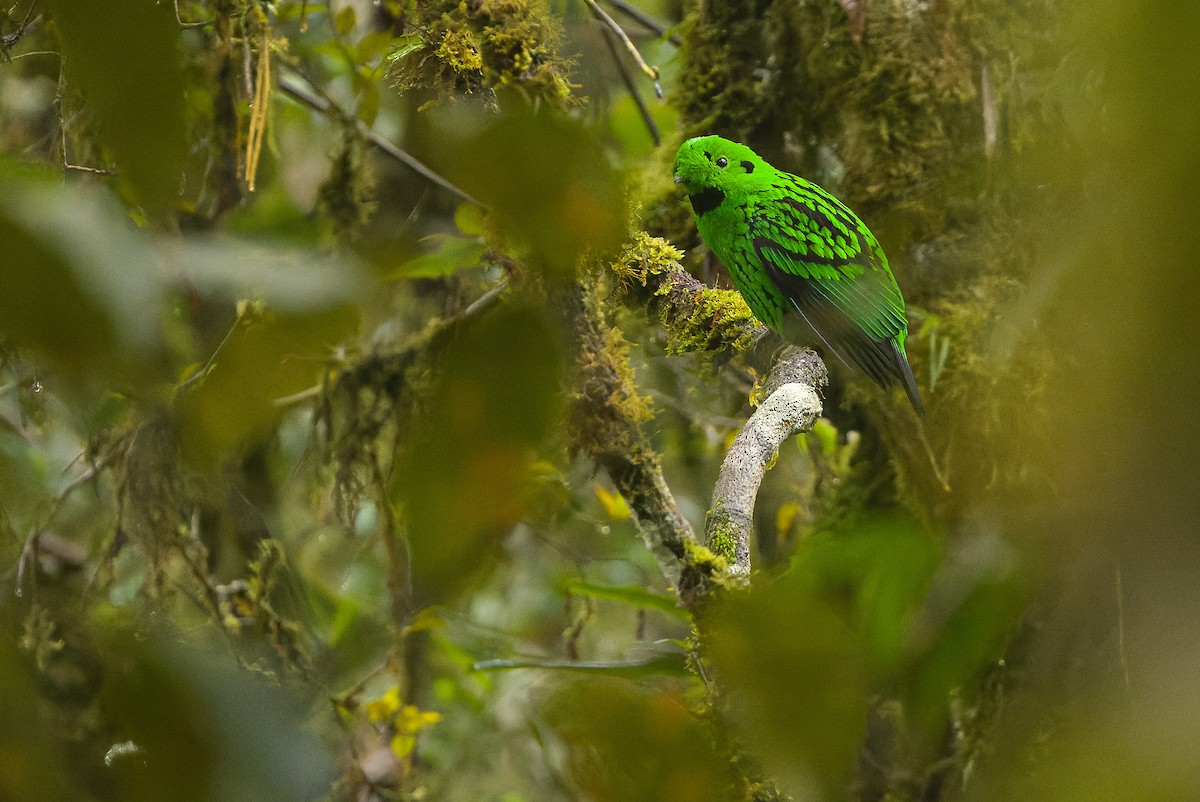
[(696, 318), (606, 418), (791, 406)]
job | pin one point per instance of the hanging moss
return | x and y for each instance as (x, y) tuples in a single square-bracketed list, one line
[(458, 48), (347, 198)]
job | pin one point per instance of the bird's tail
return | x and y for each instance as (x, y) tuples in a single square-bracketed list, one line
[(907, 378)]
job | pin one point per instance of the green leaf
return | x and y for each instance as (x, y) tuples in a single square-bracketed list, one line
[(405, 45), (23, 488), (209, 730), (451, 255), (794, 680), (469, 219), (636, 741), (368, 103), (551, 189), (373, 45), (286, 12), (632, 595), (472, 473), (287, 279), (343, 23), (81, 285)]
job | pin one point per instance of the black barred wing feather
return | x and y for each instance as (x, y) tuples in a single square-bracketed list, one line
[(830, 268)]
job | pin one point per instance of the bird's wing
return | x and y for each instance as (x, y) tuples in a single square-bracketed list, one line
[(828, 265)]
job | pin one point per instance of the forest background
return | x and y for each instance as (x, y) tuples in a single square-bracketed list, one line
[(364, 387)]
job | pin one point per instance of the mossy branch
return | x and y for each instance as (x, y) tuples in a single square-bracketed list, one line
[(792, 405), (697, 318), (606, 424)]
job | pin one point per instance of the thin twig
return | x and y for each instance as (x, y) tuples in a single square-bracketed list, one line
[(32, 542), (202, 372), (646, 21), (183, 24), (298, 398), (82, 168), (607, 19), (627, 79), (477, 306), (59, 99), (35, 53), (317, 102), (8, 42)]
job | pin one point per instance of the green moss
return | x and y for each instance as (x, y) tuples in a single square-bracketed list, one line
[(700, 571), (483, 45), (722, 540), (724, 47), (613, 406), (347, 197), (644, 257), (696, 318), (989, 377), (716, 316), (460, 52), (609, 409)]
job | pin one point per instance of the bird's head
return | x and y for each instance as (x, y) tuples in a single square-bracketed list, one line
[(713, 163)]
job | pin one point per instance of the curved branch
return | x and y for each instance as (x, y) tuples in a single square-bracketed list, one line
[(791, 406)]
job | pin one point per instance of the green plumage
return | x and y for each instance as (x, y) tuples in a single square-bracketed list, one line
[(791, 247)]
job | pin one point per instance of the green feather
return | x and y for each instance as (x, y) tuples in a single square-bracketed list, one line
[(792, 248)]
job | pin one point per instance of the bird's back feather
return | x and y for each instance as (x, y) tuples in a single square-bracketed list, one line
[(790, 244)]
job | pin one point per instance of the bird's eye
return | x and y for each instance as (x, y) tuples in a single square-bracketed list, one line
[(722, 162)]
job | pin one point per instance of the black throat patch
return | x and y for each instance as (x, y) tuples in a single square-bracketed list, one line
[(706, 200)]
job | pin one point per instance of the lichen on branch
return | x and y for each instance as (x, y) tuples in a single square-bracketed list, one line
[(791, 406)]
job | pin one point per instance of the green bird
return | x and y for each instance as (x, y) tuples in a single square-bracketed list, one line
[(790, 246)]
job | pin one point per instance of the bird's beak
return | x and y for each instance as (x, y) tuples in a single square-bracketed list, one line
[(678, 178)]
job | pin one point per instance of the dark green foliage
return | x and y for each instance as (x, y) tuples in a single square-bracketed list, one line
[(641, 744), (469, 477), (550, 189)]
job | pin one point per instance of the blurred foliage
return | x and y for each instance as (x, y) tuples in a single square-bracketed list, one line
[(295, 494)]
